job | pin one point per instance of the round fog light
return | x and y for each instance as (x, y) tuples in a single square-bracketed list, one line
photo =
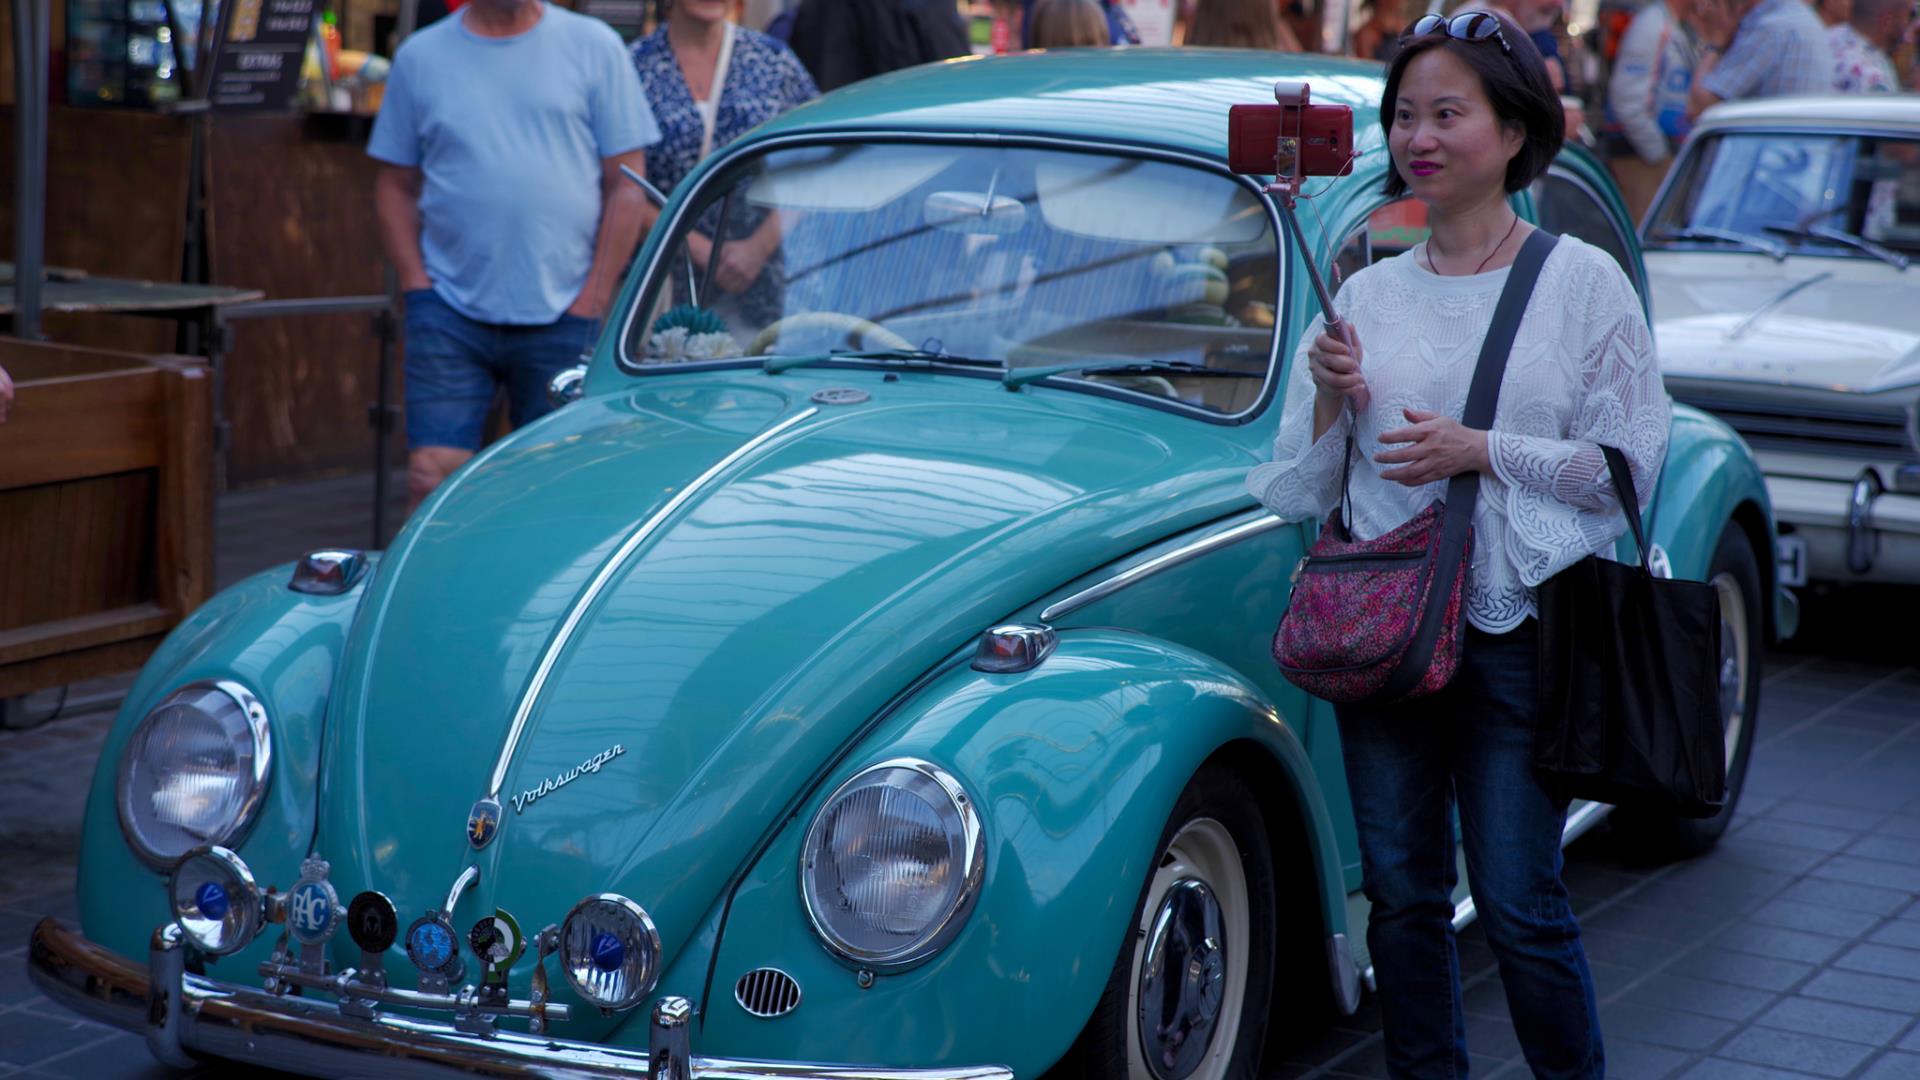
[(215, 901), (610, 951)]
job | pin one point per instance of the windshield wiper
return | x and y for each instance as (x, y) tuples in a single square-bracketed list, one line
[(775, 363), (1839, 236), (1018, 377), (1708, 232)]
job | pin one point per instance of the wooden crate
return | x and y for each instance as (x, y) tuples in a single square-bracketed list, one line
[(106, 509)]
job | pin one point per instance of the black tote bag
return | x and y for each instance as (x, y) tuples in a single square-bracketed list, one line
[(1629, 682)]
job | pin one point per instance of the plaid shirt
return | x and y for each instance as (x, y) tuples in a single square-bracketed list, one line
[(1779, 48)]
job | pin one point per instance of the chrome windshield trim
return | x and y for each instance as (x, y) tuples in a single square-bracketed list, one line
[(1213, 541), (310, 1035), (604, 576), (1270, 389)]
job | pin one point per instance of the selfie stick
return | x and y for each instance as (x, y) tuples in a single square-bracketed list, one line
[(1285, 190)]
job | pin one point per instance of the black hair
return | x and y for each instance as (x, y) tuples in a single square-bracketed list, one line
[(1516, 83)]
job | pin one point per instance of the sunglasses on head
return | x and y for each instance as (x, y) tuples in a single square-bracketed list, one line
[(1466, 26)]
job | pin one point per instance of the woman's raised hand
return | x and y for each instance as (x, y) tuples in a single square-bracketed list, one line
[(1335, 368)]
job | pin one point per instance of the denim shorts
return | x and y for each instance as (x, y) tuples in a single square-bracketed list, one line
[(455, 365)]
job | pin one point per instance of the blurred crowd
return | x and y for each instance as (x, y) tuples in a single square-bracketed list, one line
[(503, 301), (1633, 76)]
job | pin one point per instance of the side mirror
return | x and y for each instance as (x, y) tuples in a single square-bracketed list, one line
[(566, 387)]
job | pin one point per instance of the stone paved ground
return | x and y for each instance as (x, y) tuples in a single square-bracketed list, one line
[(1790, 951)]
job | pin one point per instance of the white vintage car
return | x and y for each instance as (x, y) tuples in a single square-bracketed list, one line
[(1778, 259)]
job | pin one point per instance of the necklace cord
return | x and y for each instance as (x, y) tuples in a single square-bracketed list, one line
[(1490, 254)]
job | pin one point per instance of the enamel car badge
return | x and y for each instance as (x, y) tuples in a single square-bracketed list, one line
[(496, 940), (483, 821), (431, 944), (313, 907)]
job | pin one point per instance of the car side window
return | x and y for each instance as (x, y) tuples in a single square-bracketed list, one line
[(1570, 208)]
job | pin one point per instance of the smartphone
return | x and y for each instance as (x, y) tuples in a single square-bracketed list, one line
[(1325, 133)]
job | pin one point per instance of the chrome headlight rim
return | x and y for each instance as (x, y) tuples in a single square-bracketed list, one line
[(243, 896), (972, 872), (260, 728), (651, 970)]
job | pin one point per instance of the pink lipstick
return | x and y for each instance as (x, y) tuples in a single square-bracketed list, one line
[(1422, 168)]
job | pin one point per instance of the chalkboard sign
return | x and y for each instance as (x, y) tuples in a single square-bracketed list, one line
[(257, 58)]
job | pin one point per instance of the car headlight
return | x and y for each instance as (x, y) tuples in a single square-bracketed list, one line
[(215, 901), (194, 771), (610, 951), (892, 864)]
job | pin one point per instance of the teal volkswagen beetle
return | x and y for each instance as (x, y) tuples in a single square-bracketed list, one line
[(866, 676)]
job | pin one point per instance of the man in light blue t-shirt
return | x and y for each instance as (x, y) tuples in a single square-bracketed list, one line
[(502, 207)]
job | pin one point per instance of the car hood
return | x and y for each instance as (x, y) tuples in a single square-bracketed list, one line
[(1804, 322), (731, 656)]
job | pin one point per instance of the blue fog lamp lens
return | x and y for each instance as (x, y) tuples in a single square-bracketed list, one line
[(608, 952), (215, 901)]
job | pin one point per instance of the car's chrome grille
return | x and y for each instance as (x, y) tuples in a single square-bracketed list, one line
[(1879, 434), (767, 992)]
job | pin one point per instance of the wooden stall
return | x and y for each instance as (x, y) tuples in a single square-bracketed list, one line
[(289, 211), (108, 537)]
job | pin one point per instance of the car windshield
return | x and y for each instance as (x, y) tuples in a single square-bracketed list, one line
[(1165, 277), (1796, 191)]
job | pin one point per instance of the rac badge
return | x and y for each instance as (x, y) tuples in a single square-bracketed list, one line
[(313, 907), (483, 821)]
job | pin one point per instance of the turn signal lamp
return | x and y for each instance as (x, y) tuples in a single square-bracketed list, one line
[(1014, 648)]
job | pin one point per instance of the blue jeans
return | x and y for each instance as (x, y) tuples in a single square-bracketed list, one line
[(454, 364), (1407, 767)]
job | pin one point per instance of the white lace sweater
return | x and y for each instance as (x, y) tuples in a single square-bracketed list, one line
[(1582, 372)]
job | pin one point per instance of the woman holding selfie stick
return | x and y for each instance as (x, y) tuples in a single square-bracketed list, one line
[(1472, 119)]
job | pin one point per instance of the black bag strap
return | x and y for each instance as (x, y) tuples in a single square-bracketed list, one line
[(1464, 489), (1629, 501)]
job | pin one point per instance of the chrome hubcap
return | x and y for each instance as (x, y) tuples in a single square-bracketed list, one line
[(1735, 655), (1182, 980), (1190, 959)]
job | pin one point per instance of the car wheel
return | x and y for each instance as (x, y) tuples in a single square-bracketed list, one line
[(1188, 996), (1735, 575)]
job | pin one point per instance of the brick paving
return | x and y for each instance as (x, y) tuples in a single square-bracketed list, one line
[(1792, 950)]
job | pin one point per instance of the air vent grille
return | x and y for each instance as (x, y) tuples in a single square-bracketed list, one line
[(767, 992), (1882, 434)]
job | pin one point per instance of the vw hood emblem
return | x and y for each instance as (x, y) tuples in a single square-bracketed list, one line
[(483, 821)]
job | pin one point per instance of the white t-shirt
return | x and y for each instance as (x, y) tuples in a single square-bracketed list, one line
[(1582, 372)]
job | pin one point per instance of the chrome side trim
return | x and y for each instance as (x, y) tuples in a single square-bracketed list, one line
[(604, 577), (1231, 534), (310, 1036)]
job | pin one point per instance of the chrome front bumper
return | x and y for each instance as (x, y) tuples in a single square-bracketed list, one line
[(182, 1014)]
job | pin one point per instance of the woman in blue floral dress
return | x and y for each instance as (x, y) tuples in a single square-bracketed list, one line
[(709, 81)]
